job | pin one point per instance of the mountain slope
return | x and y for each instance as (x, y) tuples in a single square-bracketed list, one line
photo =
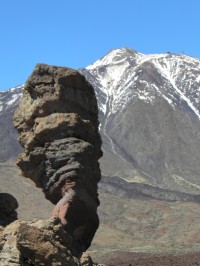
[(9, 100), (149, 114)]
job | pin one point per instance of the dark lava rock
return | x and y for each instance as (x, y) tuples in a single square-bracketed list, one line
[(8, 206), (58, 124)]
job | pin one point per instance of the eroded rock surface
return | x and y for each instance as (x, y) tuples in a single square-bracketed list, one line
[(36, 243), (58, 124)]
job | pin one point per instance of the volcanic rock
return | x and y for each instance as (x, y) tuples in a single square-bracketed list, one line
[(8, 206), (36, 243), (58, 124)]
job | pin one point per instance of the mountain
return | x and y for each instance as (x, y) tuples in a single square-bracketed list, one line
[(9, 101), (150, 118), (149, 112)]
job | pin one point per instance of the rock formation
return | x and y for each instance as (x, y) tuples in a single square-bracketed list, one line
[(38, 243), (58, 124), (8, 206)]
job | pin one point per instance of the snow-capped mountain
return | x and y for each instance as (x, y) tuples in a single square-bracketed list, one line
[(124, 75), (149, 112), (9, 100), (150, 117)]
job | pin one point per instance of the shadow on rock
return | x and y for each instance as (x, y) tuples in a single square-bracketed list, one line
[(8, 206)]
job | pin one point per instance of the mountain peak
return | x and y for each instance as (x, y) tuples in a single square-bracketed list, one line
[(115, 56)]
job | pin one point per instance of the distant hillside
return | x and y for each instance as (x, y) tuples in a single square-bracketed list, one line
[(9, 146)]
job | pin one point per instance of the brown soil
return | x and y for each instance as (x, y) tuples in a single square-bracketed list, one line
[(124, 225), (31, 200), (144, 259)]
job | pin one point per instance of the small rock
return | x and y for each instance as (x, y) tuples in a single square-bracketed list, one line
[(8, 206)]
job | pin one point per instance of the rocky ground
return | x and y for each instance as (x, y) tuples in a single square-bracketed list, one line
[(142, 259), (31, 201), (131, 232)]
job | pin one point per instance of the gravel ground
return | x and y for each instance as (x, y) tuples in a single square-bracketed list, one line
[(142, 259)]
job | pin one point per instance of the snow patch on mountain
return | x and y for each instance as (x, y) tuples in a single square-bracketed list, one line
[(149, 57), (11, 97), (198, 79), (170, 72)]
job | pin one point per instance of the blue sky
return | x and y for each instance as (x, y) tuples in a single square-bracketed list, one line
[(77, 33)]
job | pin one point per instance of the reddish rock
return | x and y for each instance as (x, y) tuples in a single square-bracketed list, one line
[(58, 124)]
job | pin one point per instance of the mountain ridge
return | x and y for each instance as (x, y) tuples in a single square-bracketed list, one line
[(136, 62), (9, 100), (165, 90)]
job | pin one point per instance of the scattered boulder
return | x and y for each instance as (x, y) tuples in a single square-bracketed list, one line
[(58, 124), (36, 243), (86, 260), (8, 206)]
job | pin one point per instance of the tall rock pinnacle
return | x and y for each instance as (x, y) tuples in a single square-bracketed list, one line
[(58, 124)]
